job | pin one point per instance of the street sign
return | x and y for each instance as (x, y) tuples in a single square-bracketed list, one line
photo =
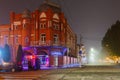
[(80, 52)]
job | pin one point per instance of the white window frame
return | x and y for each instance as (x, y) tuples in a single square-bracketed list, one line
[(43, 37), (56, 26)]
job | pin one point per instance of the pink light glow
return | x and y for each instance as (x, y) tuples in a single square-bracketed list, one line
[(47, 62)]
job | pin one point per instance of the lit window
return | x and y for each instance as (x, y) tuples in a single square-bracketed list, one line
[(55, 38), (43, 38)]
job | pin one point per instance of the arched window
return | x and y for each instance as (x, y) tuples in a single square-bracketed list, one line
[(43, 21), (56, 22), (42, 25)]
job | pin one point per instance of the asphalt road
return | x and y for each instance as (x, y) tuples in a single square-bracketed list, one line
[(85, 73)]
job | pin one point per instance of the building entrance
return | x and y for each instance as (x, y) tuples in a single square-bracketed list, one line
[(44, 60)]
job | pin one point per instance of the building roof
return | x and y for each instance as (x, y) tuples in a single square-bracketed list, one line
[(26, 13), (50, 5)]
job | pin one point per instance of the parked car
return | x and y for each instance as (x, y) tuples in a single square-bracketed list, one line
[(7, 67), (11, 67)]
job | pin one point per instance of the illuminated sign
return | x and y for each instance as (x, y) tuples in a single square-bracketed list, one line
[(58, 53), (80, 52)]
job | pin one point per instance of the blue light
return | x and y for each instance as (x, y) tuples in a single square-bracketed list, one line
[(0, 52), (56, 53), (80, 52), (0, 57)]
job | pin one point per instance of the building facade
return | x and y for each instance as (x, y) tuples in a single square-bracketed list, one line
[(44, 32)]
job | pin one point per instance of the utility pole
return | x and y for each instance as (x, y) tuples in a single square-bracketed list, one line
[(80, 52)]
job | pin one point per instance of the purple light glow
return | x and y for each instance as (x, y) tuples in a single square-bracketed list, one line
[(47, 61), (26, 48)]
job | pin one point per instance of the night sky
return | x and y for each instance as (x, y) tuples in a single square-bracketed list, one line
[(90, 18)]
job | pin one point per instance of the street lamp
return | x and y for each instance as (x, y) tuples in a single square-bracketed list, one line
[(92, 49), (92, 55)]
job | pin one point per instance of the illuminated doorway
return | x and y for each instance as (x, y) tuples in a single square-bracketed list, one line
[(44, 58)]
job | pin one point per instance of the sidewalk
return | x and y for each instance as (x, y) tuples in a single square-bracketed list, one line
[(65, 66)]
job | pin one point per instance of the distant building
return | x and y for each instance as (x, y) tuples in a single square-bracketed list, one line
[(44, 32), (82, 55)]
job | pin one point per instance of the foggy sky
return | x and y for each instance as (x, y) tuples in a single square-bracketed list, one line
[(90, 18)]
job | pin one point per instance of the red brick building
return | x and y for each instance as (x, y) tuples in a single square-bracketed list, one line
[(45, 31)]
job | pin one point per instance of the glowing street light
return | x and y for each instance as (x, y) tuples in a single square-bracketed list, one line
[(92, 49), (92, 55)]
